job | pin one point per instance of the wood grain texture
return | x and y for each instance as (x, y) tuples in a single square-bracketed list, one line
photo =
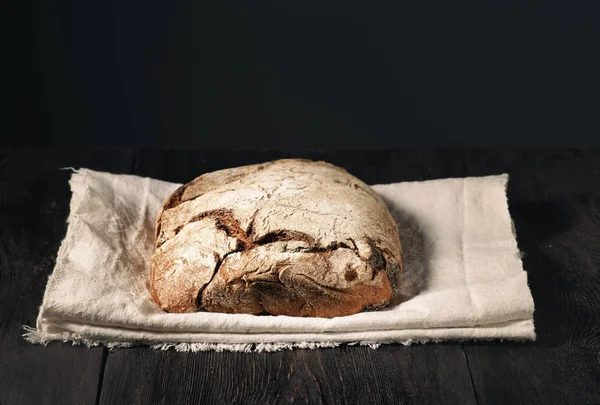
[(392, 374), (34, 204), (554, 200)]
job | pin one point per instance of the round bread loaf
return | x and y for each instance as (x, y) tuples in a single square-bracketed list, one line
[(289, 237)]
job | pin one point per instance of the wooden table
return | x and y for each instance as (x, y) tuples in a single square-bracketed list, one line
[(554, 199)]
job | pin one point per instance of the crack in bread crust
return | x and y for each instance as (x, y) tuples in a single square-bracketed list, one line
[(336, 289)]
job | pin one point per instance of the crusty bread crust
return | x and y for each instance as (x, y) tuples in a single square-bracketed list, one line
[(289, 237)]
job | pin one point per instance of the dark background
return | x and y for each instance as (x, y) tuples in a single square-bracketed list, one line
[(298, 75)]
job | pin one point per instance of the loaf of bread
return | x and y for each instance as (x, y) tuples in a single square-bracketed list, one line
[(289, 237)]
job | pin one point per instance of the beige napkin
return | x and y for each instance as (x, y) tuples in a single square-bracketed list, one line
[(462, 268)]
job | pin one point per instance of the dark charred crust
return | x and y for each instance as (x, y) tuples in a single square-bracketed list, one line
[(175, 198), (212, 214), (240, 245), (393, 274), (380, 260), (265, 287), (250, 229), (157, 232), (351, 275), (376, 307), (283, 236), (377, 260), (329, 248), (173, 201), (225, 221), (268, 289)]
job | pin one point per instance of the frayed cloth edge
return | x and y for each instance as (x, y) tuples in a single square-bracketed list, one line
[(32, 335)]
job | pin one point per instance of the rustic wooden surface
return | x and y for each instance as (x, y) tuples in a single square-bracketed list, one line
[(554, 198)]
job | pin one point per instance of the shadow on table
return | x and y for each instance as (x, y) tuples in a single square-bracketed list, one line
[(417, 249), (556, 238)]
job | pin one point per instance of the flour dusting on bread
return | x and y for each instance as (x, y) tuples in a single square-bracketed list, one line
[(289, 237)]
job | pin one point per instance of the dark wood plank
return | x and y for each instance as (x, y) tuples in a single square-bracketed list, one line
[(34, 204), (391, 374), (554, 199), (538, 175), (558, 228)]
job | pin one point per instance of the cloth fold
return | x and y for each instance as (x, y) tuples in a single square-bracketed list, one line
[(462, 269)]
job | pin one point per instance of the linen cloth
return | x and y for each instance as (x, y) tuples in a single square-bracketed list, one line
[(461, 261)]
